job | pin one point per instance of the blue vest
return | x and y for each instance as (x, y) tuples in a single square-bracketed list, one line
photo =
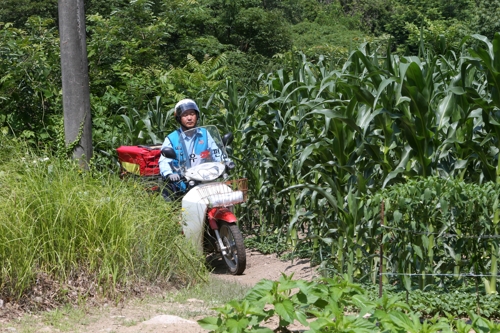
[(184, 158)]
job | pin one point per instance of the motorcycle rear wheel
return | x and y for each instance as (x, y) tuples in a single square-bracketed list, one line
[(235, 259)]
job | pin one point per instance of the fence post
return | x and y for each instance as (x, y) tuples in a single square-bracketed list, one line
[(381, 261)]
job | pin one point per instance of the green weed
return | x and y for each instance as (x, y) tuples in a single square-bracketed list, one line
[(267, 244), (330, 305)]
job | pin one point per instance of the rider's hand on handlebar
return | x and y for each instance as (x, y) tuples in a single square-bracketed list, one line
[(173, 177)]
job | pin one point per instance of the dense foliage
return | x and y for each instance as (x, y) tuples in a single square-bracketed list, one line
[(142, 49), (337, 135), (330, 102)]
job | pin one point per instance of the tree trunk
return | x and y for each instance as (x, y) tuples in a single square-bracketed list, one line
[(75, 80)]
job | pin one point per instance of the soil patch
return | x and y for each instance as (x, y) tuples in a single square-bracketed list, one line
[(265, 266)]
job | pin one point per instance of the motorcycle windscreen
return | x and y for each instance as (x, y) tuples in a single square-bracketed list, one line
[(199, 146)]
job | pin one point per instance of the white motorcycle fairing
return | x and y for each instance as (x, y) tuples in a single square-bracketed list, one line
[(206, 171), (195, 204)]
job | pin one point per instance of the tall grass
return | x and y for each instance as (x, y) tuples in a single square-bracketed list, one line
[(60, 222)]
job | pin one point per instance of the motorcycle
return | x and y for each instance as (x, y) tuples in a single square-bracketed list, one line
[(208, 218)]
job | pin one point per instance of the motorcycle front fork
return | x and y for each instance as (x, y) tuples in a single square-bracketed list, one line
[(222, 248)]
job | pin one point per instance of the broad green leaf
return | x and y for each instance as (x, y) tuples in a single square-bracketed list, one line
[(401, 320), (318, 324), (330, 198), (397, 216), (457, 90), (286, 283), (261, 330), (360, 325), (381, 88), (236, 326), (301, 317), (418, 251), (445, 107), (428, 195), (261, 292), (285, 310), (210, 323), (392, 175)]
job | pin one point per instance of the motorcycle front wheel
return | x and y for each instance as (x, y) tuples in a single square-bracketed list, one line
[(235, 257)]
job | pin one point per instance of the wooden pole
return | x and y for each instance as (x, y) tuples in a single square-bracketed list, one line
[(381, 261)]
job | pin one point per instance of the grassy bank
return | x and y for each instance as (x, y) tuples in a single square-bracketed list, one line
[(82, 233)]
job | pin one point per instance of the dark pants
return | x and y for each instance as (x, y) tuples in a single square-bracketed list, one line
[(171, 191)]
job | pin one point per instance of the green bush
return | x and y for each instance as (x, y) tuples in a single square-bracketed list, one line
[(30, 98), (316, 39)]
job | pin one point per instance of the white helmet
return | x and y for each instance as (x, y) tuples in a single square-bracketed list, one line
[(185, 105)]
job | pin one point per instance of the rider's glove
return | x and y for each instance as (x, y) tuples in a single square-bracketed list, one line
[(173, 177)]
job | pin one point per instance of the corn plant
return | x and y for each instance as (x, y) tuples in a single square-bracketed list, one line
[(487, 97), (317, 140), (386, 120)]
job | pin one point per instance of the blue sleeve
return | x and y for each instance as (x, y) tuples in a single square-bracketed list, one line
[(164, 163)]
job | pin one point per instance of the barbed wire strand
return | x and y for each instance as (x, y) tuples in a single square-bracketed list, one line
[(440, 235), (439, 274)]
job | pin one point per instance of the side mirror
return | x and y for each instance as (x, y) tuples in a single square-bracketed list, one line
[(169, 152), (227, 139)]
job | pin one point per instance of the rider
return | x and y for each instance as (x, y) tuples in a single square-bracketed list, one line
[(191, 145)]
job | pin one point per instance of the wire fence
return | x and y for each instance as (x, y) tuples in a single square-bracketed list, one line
[(438, 274), (437, 235), (441, 235)]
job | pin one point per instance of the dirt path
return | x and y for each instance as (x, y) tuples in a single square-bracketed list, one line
[(165, 316), (261, 266)]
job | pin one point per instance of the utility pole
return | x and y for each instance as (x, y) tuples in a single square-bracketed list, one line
[(75, 80)]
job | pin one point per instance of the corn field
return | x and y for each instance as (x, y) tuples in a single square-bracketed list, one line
[(318, 141)]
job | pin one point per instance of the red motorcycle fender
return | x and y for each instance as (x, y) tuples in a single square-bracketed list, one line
[(220, 213)]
